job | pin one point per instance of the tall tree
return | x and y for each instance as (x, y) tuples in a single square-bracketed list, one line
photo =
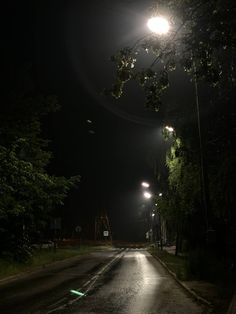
[(201, 43), (28, 193)]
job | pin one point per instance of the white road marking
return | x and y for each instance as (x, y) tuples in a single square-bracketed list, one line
[(89, 284), (56, 303)]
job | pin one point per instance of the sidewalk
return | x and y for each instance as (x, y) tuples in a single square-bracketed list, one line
[(232, 307), (205, 292), (189, 286)]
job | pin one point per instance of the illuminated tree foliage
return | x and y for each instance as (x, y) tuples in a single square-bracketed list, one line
[(201, 42), (202, 37)]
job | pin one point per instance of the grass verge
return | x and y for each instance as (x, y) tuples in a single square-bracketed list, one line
[(41, 258), (177, 264)]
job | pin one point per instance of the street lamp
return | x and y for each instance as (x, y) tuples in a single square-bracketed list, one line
[(147, 195), (161, 26), (169, 128), (158, 25), (145, 184)]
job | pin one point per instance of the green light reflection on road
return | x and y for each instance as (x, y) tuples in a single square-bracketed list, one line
[(78, 293)]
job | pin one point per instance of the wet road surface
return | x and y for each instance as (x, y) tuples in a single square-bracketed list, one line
[(35, 293), (131, 282)]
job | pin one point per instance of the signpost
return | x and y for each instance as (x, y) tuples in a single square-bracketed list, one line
[(105, 233), (56, 227), (78, 230)]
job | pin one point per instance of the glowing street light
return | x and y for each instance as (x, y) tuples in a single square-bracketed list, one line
[(147, 195), (169, 128), (160, 194), (145, 184), (158, 25)]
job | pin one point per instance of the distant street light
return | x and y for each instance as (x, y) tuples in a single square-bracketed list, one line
[(160, 194), (169, 128), (158, 25), (145, 184), (147, 195)]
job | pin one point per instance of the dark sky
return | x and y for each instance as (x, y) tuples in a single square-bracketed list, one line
[(69, 44)]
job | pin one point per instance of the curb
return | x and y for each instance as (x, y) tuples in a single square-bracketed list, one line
[(183, 285), (232, 306)]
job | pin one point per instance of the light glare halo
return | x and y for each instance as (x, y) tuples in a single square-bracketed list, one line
[(145, 184), (158, 25), (147, 195), (169, 128)]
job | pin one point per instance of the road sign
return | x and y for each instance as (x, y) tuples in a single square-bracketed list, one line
[(78, 229), (105, 233)]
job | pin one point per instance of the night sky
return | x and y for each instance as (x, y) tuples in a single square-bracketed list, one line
[(69, 44)]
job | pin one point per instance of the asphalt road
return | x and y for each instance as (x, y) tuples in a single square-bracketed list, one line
[(129, 281)]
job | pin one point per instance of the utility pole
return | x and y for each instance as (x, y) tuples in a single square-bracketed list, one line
[(204, 193)]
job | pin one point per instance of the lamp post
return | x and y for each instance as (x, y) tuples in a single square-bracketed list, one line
[(160, 224), (160, 25), (147, 195), (202, 164)]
